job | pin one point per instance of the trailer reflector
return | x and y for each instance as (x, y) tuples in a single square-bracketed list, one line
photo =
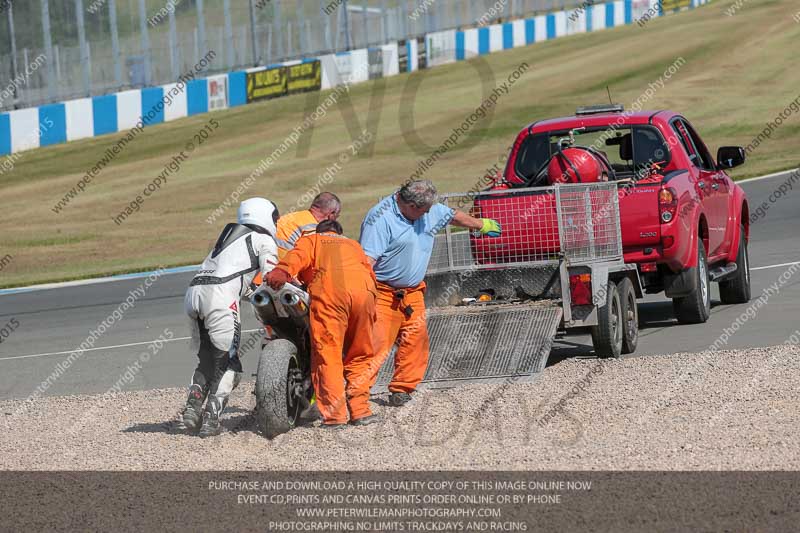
[(580, 289)]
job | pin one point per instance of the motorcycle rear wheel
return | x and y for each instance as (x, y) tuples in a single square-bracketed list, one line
[(279, 380)]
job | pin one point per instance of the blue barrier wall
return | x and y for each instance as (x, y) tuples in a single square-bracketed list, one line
[(197, 93), (104, 111), (152, 106), (5, 134), (237, 89), (52, 124)]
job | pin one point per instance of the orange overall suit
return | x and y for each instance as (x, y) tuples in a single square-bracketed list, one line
[(401, 315), (342, 315), (290, 227)]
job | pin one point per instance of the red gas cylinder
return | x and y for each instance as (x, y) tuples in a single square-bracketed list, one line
[(563, 167)]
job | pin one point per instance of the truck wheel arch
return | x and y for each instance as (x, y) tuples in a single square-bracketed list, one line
[(702, 233), (744, 219), (695, 228)]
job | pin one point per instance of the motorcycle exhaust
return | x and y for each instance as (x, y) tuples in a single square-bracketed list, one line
[(261, 298), (290, 299), (294, 300)]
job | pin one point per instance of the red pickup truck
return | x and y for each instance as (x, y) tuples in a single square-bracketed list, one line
[(684, 221)]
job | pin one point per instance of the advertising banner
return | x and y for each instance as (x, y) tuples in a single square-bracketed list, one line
[(304, 77), (391, 59), (375, 60), (269, 83), (673, 5), (440, 47), (217, 92), (344, 68)]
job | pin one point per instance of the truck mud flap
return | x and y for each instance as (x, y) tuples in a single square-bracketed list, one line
[(485, 343)]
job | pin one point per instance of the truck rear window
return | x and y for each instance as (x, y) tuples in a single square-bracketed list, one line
[(628, 149)]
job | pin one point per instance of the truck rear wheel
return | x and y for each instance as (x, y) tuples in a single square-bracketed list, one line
[(630, 315), (279, 375), (736, 290), (696, 307), (607, 335)]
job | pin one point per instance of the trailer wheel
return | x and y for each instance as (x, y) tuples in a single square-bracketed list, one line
[(608, 333), (630, 315)]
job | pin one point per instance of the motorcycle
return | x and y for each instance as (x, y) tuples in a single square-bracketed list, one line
[(284, 391)]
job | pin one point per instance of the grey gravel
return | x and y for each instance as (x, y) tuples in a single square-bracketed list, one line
[(708, 411)]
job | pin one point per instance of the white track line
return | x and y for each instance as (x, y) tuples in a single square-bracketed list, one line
[(776, 266), (768, 176), (104, 347), (92, 281)]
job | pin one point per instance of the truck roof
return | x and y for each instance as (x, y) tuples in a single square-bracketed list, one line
[(599, 119)]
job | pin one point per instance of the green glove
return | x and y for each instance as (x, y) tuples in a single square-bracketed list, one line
[(490, 227)]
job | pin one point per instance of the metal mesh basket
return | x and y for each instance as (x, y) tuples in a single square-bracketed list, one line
[(485, 343), (579, 222)]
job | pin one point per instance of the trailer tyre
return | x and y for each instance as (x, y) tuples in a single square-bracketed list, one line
[(630, 315), (277, 411), (696, 307), (736, 290), (607, 335)]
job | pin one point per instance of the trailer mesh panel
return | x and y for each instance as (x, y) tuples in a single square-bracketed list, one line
[(480, 342), (540, 225)]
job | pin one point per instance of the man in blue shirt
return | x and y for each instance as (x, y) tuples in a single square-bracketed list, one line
[(398, 235)]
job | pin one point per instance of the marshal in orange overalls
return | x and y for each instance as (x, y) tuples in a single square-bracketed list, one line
[(342, 315), (401, 319)]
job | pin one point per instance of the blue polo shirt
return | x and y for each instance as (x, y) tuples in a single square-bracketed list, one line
[(401, 248)]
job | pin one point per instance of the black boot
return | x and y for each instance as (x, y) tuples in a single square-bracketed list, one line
[(191, 416), (211, 426), (366, 420), (399, 399)]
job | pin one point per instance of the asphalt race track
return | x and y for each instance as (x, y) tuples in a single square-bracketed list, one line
[(54, 322)]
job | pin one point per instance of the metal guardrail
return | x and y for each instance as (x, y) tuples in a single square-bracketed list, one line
[(579, 222)]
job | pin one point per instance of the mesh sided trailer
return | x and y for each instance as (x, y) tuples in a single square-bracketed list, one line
[(551, 237)]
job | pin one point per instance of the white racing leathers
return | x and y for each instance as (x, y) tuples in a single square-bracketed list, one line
[(212, 303)]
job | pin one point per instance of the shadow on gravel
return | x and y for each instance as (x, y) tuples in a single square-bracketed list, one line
[(233, 424), (656, 315), (157, 427), (381, 398), (241, 423)]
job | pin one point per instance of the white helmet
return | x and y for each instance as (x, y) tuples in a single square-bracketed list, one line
[(259, 212)]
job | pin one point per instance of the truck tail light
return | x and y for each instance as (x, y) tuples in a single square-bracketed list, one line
[(649, 267), (580, 289), (667, 241), (667, 204)]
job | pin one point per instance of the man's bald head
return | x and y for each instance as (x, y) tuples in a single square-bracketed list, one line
[(326, 206)]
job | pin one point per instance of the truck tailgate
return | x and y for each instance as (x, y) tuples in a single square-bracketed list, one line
[(639, 215)]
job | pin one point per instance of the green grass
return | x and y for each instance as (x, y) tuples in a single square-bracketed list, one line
[(737, 77)]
